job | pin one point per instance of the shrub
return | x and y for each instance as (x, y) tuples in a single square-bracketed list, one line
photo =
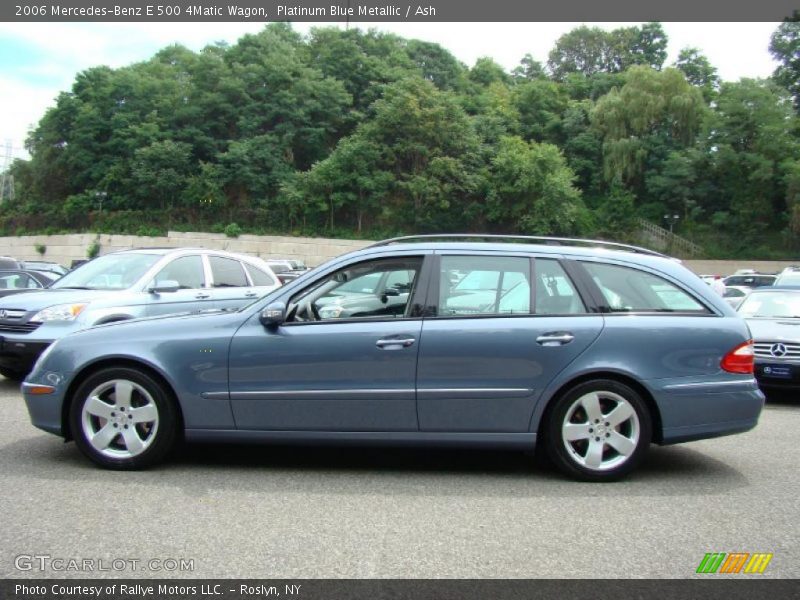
[(93, 249), (232, 230)]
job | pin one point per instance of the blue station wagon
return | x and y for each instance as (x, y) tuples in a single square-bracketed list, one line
[(586, 351)]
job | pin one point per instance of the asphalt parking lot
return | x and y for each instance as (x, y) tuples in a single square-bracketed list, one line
[(260, 511)]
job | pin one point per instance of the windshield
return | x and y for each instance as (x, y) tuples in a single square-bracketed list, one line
[(110, 272), (776, 305)]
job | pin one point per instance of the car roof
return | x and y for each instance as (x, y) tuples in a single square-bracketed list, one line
[(647, 258)]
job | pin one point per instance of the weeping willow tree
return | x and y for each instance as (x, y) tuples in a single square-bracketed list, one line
[(653, 113)]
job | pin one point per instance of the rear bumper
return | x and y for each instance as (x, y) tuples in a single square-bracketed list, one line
[(706, 410), (20, 355)]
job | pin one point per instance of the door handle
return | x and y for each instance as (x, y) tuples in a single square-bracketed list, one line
[(390, 343), (555, 338), (250, 295), (202, 296)]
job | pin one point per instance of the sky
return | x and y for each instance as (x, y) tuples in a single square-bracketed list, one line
[(40, 60)]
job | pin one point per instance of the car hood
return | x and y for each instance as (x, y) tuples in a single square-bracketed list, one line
[(50, 297), (775, 329)]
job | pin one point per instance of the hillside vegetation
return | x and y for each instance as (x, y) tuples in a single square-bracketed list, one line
[(366, 134)]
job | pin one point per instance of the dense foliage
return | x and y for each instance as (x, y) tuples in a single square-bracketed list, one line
[(357, 133)]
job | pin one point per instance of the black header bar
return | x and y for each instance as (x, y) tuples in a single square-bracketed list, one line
[(374, 11)]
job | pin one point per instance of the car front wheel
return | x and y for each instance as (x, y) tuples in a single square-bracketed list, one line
[(122, 418), (598, 431)]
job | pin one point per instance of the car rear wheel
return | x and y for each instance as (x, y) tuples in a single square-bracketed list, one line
[(598, 431), (122, 418)]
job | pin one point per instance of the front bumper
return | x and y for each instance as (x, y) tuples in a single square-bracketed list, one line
[(44, 409), (775, 374), (20, 355)]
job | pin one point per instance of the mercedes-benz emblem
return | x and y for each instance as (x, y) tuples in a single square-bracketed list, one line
[(777, 350)]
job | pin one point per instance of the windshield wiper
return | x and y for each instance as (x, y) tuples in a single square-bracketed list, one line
[(73, 287)]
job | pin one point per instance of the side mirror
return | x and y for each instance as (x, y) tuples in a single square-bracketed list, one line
[(274, 315), (167, 286), (387, 293)]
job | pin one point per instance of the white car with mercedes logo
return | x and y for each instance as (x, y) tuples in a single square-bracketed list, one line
[(773, 315)]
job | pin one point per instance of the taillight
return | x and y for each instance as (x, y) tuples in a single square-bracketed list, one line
[(740, 359)]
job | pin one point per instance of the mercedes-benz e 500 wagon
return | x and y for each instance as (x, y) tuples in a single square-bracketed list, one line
[(587, 351)]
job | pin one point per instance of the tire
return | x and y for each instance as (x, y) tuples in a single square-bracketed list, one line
[(133, 431), (12, 374), (598, 431)]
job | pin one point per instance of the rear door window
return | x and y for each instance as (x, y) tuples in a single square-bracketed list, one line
[(227, 272), (259, 277), (484, 285)]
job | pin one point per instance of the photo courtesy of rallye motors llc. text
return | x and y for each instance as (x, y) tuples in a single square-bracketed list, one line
[(141, 590)]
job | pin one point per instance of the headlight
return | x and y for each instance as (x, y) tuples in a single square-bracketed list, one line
[(330, 312), (62, 312)]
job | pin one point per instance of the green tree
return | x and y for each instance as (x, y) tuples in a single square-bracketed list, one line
[(653, 113), (698, 71), (752, 143), (591, 50), (784, 46), (532, 191), (529, 69), (160, 172)]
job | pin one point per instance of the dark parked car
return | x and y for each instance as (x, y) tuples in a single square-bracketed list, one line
[(750, 280), (287, 270), (7, 262), (126, 285), (586, 353), (44, 265), (13, 281), (773, 315)]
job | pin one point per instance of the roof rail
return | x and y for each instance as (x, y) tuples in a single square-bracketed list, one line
[(491, 237)]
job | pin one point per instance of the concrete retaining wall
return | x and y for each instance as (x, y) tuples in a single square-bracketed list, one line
[(66, 248), (313, 251)]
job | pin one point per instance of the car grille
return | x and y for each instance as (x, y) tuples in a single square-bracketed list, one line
[(765, 350), (12, 321)]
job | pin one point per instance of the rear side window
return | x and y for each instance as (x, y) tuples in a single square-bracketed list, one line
[(484, 285), (227, 272), (555, 294), (259, 277), (631, 290)]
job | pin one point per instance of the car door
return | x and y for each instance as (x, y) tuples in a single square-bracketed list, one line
[(192, 295), (502, 327), (342, 361)]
